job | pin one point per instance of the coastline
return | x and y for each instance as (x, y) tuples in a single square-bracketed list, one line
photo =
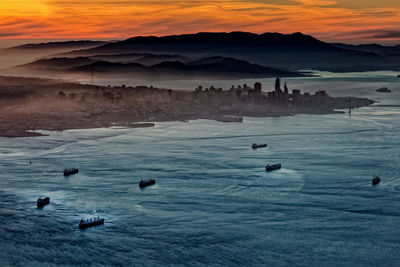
[(28, 104)]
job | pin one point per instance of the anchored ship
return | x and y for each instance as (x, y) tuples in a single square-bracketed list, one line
[(273, 167), (376, 180), (90, 222), (255, 146), (69, 171), (383, 90), (41, 202), (148, 182)]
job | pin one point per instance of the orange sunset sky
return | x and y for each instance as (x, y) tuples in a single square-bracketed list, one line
[(331, 20)]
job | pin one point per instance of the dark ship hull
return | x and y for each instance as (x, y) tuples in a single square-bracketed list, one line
[(145, 183), (274, 167), (376, 180), (41, 202), (384, 90), (68, 172), (255, 146), (86, 224)]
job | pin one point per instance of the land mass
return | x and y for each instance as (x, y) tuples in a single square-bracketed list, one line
[(210, 67), (29, 104), (233, 55), (295, 51)]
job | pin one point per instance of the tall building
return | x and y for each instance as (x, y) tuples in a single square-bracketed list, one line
[(278, 89), (286, 90), (277, 84)]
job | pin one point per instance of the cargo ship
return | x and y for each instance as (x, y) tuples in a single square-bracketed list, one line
[(144, 183), (255, 146), (70, 171), (376, 180), (41, 202), (90, 222), (273, 167)]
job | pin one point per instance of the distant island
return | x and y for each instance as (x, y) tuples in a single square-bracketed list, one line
[(29, 104)]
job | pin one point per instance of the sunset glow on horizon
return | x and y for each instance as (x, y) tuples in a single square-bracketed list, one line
[(330, 20)]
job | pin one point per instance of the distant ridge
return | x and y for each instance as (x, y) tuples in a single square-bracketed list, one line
[(207, 67), (231, 39), (59, 45), (211, 40), (217, 67), (294, 51)]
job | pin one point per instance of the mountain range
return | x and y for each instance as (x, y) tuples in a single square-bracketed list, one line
[(226, 55), (215, 67)]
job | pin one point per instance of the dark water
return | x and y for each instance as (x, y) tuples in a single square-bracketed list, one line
[(213, 203)]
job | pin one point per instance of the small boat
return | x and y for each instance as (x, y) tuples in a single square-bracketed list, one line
[(144, 183), (398, 76), (273, 167), (41, 202), (90, 222), (376, 180), (69, 171), (383, 90), (255, 146)]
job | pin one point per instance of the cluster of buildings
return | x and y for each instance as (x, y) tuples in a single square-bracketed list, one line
[(254, 95)]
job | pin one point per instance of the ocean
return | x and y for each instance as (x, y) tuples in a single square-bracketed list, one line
[(213, 203)]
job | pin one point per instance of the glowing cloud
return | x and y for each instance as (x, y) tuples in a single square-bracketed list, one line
[(326, 19)]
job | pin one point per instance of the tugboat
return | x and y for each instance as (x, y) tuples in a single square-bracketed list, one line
[(90, 222), (70, 171), (376, 180), (255, 146), (148, 182), (273, 167), (41, 202)]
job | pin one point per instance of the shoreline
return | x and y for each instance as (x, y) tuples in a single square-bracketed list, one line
[(21, 133), (28, 104)]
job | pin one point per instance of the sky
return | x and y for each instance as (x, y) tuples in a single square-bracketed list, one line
[(354, 21)]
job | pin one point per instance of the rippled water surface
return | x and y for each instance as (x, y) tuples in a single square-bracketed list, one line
[(213, 202)]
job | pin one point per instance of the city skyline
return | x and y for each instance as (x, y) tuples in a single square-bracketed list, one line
[(328, 20)]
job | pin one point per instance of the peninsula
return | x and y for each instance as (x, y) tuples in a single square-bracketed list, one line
[(29, 104)]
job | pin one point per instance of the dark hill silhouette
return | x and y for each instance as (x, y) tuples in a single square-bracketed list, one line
[(228, 39), (282, 51), (50, 65), (221, 67), (372, 48), (216, 67), (110, 67), (142, 58), (215, 42), (59, 45)]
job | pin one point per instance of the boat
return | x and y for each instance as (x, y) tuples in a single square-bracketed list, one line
[(41, 202), (255, 146), (376, 180), (90, 222), (148, 182), (70, 171), (273, 167), (398, 76), (383, 90)]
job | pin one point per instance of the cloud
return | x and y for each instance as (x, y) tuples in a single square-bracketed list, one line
[(379, 33), (326, 19), (10, 34)]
